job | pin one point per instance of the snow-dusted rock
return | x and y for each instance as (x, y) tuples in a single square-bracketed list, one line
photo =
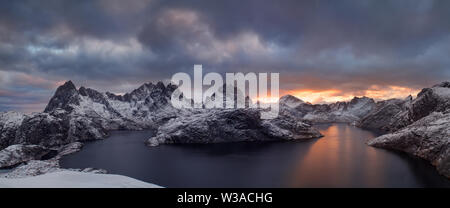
[(384, 114), (289, 128), (423, 129), (9, 122), (48, 164), (229, 125), (17, 154), (346, 112), (33, 168), (48, 174), (69, 149), (434, 99), (74, 179), (427, 138)]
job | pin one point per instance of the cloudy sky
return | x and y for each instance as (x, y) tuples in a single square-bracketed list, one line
[(323, 50)]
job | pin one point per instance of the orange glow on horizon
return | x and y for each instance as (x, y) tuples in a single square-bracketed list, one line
[(324, 96), (334, 95)]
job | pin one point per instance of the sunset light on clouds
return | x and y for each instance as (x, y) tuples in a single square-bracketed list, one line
[(334, 95)]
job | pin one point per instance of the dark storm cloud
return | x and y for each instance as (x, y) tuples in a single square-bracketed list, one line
[(348, 45), (388, 37)]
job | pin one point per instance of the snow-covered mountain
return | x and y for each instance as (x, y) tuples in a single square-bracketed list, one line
[(422, 128), (136, 110), (85, 114), (419, 126)]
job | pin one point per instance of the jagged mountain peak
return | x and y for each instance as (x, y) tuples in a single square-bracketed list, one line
[(64, 95), (68, 85), (67, 88)]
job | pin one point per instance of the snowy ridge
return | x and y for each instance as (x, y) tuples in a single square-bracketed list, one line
[(346, 112), (421, 127), (291, 101)]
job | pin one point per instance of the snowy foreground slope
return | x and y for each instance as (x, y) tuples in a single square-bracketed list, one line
[(74, 179)]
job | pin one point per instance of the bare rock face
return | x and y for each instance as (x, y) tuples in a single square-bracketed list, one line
[(427, 138), (17, 154), (229, 125)]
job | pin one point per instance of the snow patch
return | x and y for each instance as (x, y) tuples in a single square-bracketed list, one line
[(75, 179)]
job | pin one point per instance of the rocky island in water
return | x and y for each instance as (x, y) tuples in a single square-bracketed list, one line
[(32, 144)]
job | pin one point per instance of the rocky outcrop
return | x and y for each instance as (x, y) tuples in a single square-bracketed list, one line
[(427, 138), (17, 154), (423, 128), (230, 125), (385, 114), (85, 114), (64, 98)]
